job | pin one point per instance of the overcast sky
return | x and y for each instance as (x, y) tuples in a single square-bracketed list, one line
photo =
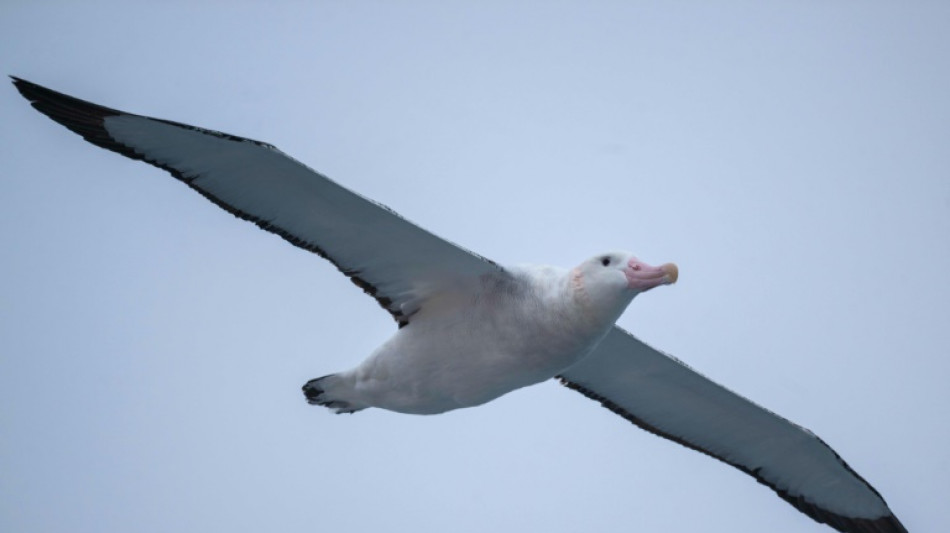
[(792, 160)]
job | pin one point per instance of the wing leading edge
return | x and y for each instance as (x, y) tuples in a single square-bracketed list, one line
[(392, 259), (664, 396)]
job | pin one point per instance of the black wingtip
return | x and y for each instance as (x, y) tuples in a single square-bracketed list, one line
[(82, 117), (22, 85), (32, 91)]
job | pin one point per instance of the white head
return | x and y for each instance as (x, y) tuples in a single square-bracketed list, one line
[(608, 282)]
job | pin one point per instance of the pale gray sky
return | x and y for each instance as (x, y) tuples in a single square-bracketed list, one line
[(792, 160)]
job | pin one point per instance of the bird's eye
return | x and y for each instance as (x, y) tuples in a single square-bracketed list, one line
[(605, 261)]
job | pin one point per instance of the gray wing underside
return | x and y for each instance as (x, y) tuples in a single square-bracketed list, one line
[(664, 396), (392, 259)]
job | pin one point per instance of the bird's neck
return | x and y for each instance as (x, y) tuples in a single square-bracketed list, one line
[(590, 308)]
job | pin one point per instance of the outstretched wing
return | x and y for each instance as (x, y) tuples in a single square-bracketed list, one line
[(392, 259), (662, 395)]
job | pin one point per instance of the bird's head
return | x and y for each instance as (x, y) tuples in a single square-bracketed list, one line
[(609, 281)]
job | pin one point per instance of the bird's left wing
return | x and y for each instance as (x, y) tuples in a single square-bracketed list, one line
[(392, 259), (664, 396)]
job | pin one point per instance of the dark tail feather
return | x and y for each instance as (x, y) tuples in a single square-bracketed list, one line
[(326, 392)]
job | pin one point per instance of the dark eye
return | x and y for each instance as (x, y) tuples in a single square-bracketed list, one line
[(605, 261)]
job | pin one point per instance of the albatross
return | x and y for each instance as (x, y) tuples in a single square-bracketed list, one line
[(470, 330)]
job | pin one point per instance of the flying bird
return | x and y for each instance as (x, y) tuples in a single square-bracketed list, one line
[(470, 330)]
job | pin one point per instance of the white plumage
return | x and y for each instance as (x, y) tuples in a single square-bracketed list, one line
[(482, 337)]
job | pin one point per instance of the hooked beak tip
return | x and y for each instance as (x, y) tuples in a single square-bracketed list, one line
[(672, 272)]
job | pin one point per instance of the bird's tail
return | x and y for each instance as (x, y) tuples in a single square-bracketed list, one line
[(334, 392)]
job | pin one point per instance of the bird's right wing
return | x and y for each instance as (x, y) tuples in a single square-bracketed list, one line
[(664, 396), (392, 259)]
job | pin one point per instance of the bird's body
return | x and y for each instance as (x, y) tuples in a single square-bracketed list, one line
[(471, 330), (475, 341)]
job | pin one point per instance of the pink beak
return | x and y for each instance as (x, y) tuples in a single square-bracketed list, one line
[(643, 277)]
